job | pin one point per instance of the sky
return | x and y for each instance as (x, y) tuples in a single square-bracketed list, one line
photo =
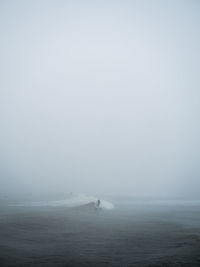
[(100, 97)]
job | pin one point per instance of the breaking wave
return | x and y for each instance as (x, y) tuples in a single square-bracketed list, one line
[(74, 201)]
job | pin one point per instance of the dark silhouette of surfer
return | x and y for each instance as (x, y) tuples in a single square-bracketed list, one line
[(98, 203)]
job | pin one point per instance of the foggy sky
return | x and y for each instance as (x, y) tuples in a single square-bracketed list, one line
[(100, 97)]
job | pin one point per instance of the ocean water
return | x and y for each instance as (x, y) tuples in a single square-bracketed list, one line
[(134, 233)]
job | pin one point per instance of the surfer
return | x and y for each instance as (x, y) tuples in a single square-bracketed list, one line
[(97, 204)]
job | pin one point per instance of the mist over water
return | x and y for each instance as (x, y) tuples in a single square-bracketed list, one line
[(100, 98), (99, 133)]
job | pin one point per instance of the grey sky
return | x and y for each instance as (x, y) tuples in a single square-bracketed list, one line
[(100, 97)]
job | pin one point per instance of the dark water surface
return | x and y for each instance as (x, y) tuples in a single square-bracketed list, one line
[(132, 235)]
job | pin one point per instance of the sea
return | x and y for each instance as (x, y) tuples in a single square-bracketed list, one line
[(136, 232)]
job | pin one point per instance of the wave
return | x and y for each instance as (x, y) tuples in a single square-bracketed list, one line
[(74, 201)]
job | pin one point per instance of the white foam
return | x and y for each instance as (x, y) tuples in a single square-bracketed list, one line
[(74, 201)]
